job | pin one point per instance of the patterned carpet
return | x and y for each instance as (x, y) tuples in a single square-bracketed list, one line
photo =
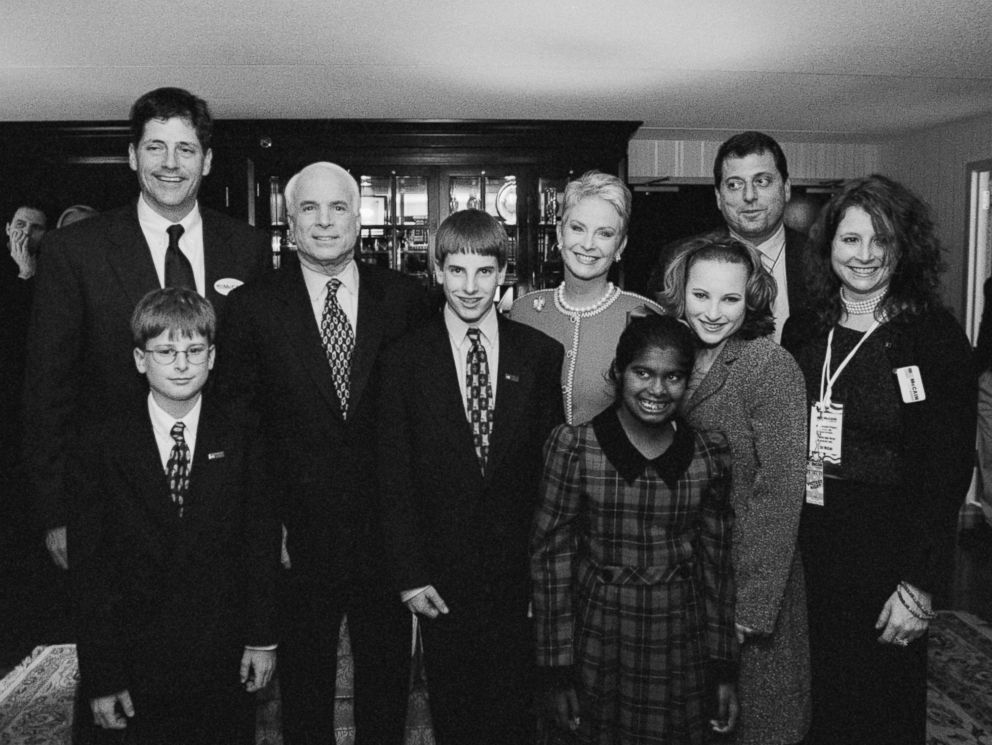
[(36, 698)]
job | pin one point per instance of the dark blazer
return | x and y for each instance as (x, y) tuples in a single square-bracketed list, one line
[(272, 360), (79, 360), (937, 455), (795, 245), (163, 600), (983, 349), (446, 523)]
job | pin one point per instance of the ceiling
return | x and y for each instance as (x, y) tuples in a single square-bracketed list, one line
[(864, 68)]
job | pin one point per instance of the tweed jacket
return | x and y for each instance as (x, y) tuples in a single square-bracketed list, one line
[(754, 393)]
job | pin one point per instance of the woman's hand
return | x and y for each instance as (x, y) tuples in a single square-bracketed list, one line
[(899, 625)]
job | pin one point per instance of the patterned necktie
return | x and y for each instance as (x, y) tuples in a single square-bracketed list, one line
[(339, 342), (178, 270), (177, 467), (479, 401)]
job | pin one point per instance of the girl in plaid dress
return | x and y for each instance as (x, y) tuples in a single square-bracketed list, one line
[(630, 557)]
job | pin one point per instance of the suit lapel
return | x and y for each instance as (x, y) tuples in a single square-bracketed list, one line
[(716, 378), (303, 335), (129, 255), (219, 257), (515, 379), (794, 244), (368, 334), (442, 388)]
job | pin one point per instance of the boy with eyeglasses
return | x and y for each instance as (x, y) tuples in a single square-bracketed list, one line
[(175, 555)]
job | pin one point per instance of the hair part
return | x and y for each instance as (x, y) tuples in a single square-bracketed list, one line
[(168, 103), (471, 232), (180, 311), (354, 190), (648, 332), (759, 291), (605, 186), (903, 221), (749, 143)]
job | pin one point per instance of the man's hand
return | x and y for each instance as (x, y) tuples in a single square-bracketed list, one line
[(257, 666), (106, 713), (21, 254), (427, 603), (56, 544)]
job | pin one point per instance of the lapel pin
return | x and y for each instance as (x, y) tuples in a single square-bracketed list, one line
[(512, 378), (215, 456)]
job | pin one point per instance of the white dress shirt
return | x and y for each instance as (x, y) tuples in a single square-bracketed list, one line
[(154, 227), (460, 345), (162, 424), (347, 293), (772, 253)]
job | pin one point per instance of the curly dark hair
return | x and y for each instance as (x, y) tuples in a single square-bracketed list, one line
[(759, 293), (903, 222)]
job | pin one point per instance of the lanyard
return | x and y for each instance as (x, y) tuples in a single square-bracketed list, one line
[(826, 379)]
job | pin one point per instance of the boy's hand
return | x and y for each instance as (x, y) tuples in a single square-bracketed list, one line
[(564, 704), (427, 603), (55, 542), (257, 666), (106, 713)]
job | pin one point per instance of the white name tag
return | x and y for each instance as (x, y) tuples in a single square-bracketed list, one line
[(910, 384), (224, 286)]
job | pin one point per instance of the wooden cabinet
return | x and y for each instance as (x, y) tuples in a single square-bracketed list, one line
[(414, 174)]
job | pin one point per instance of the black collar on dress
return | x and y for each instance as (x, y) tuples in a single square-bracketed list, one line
[(629, 461)]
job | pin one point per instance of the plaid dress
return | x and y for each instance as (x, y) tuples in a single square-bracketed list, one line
[(632, 579)]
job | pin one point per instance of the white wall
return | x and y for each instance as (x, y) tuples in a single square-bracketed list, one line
[(933, 163)]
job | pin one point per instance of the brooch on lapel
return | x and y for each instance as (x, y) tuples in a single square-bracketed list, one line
[(539, 303)]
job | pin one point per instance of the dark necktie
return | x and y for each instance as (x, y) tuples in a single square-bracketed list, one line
[(177, 467), (178, 270), (479, 398), (339, 342)]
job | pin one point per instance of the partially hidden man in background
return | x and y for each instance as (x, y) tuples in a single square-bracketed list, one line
[(299, 348), (91, 276)]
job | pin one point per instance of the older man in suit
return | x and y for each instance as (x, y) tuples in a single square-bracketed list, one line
[(299, 348), (92, 274)]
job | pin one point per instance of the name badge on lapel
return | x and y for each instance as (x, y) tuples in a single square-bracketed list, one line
[(910, 384)]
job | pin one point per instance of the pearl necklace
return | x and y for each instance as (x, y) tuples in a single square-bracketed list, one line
[(861, 307), (574, 315)]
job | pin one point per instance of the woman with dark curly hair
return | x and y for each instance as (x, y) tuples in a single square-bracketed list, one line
[(747, 386), (892, 436)]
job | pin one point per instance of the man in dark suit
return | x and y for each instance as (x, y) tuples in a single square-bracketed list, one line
[(299, 347), (92, 274), (467, 404), (175, 548), (751, 181)]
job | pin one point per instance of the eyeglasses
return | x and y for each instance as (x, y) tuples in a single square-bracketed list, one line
[(195, 355)]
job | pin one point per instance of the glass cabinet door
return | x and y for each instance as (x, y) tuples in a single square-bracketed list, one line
[(494, 192), (395, 214)]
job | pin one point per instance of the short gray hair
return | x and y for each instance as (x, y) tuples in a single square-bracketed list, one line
[(356, 192), (605, 186)]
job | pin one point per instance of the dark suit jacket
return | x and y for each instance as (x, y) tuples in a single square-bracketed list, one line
[(79, 359), (795, 245), (159, 600), (447, 524), (272, 360), (983, 350)]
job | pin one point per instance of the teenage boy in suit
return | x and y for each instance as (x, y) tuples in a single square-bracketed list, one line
[(465, 406), (176, 551)]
